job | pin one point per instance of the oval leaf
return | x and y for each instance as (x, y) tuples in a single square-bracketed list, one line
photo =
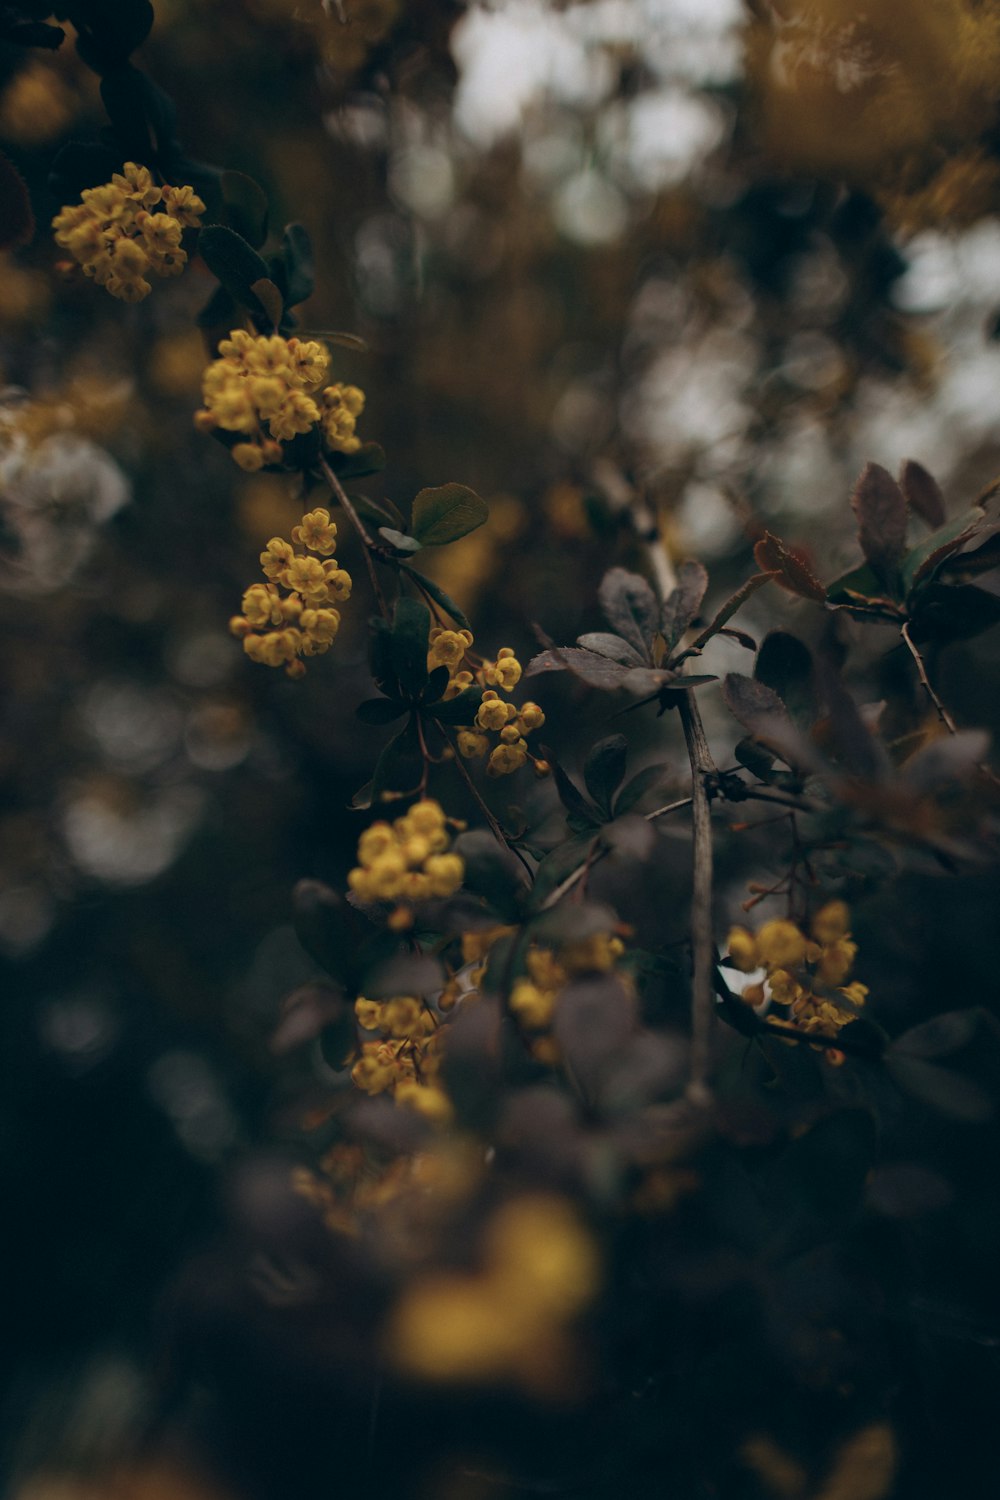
[(789, 571), (922, 492), (444, 514), (684, 603), (880, 506), (629, 606)]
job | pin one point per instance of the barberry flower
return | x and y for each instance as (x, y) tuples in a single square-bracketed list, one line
[(116, 241), (804, 974)]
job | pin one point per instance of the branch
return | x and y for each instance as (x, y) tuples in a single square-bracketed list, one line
[(702, 944), (494, 825), (368, 546), (942, 712)]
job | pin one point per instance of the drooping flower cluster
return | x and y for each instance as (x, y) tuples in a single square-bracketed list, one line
[(402, 1055), (128, 228), (277, 629), (407, 861), (805, 973), (496, 716), (268, 390)]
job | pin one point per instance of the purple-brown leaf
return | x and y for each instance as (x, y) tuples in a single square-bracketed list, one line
[(684, 603), (772, 556), (922, 492), (880, 506)]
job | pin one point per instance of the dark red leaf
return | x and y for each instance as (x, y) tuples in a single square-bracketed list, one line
[(922, 492), (773, 556), (880, 506)]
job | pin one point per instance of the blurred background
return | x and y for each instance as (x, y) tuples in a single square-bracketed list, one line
[(715, 253)]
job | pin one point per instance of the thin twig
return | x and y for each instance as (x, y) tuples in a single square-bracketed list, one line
[(495, 828), (702, 766), (702, 943), (368, 546), (942, 712), (575, 876)]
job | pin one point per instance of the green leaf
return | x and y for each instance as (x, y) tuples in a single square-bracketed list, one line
[(921, 562), (399, 539), (270, 299), (558, 865), (220, 311), (380, 710), (492, 872), (108, 30), (639, 786), (461, 709), (400, 766), (245, 207), (411, 624), (604, 769), (380, 657), (300, 270), (236, 264), (437, 683), (324, 927), (573, 921), (784, 663), (82, 164), (417, 974), (437, 593), (859, 580), (950, 1093), (444, 514)]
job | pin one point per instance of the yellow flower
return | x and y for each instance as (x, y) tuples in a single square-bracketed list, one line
[(316, 531), (505, 672), (742, 950), (831, 922), (506, 759), (781, 944), (494, 713), (446, 648), (472, 745), (117, 241), (537, 1248)]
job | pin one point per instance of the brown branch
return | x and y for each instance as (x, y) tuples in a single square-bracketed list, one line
[(368, 545), (942, 712), (702, 942), (494, 825)]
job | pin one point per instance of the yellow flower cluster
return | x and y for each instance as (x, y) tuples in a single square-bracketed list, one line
[(118, 239), (269, 390), (511, 725), (278, 629), (805, 973), (407, 861), (508, 1321), (533, 997), (405, 1060)]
